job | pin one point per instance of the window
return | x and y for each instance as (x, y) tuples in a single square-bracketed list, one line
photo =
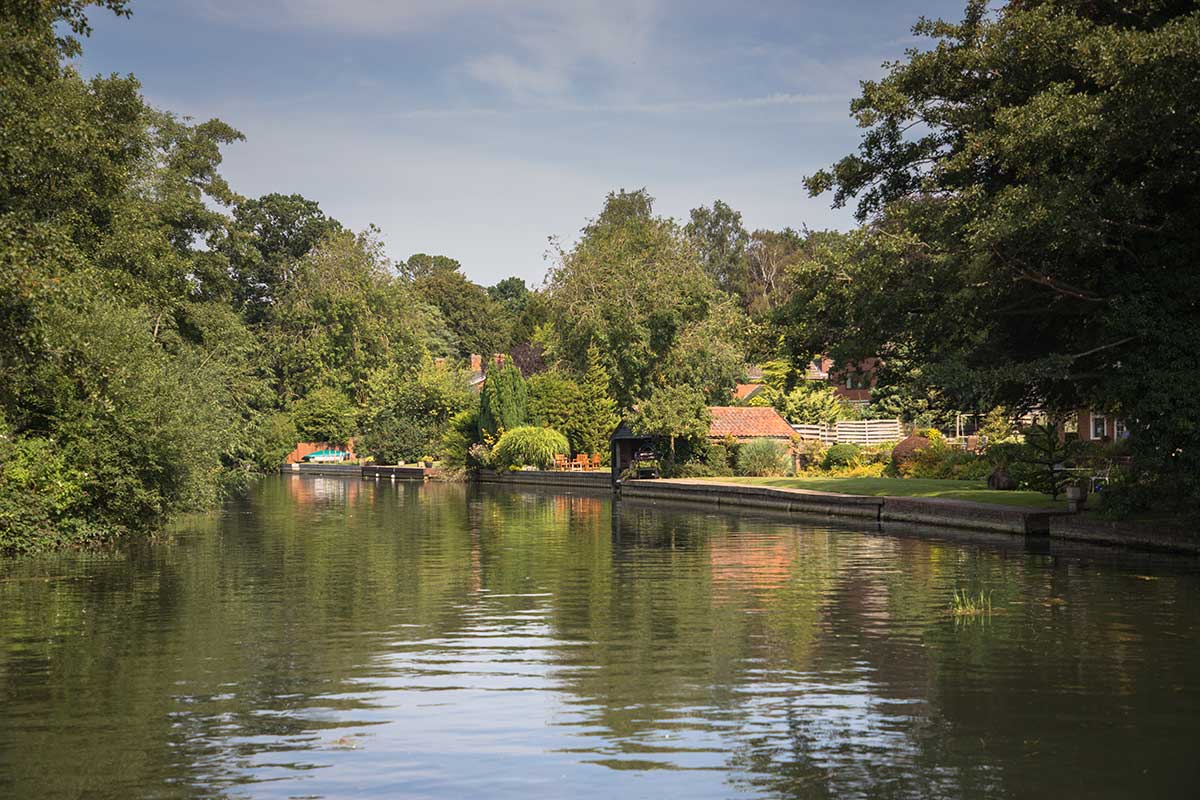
[(1099, 426), (1121, 431)]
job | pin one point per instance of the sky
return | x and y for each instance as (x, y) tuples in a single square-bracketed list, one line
[(479, 128)]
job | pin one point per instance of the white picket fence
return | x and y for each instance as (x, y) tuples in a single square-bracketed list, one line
[(860, 432)]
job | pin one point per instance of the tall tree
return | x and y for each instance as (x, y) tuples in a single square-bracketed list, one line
[(630, 286), (1032, 189), (721, 242), (503, 402), (597, 409), (469, 311)]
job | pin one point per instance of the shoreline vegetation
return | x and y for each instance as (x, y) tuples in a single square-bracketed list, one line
[(1024, 257)]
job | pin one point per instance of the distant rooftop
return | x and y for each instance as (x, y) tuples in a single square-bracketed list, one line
[(743, 422)]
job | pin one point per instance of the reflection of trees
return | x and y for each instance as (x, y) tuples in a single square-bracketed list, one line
[(805, 661)]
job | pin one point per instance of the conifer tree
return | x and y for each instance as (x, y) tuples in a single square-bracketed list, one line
[(597, 409), (503, 404)]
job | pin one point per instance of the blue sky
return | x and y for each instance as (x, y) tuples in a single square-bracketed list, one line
[(477, 128)]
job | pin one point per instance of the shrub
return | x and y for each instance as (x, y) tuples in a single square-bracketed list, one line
[(762, 458), (325, 415), (529, 446), (692, 469), (862, 471), (392, 438), (810, 453), (42, 499), (840, 456), (717, 459), (904, 452)]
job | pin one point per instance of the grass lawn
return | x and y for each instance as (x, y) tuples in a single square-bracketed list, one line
[(975, 491)]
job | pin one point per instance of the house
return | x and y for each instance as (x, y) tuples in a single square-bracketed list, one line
[(1098, 426), (740, 423), (744, 423), (744, 391)]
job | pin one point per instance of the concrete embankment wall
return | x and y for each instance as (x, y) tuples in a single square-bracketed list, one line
[(941, 513), (406, 473), (1142, 535), (581, 480), (345, 470)]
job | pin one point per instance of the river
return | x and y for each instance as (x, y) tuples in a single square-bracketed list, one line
[(327, 637)]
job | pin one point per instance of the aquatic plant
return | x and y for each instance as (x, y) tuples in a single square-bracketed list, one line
[(963, 604)]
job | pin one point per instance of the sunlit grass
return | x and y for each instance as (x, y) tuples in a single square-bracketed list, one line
[(963, 604)]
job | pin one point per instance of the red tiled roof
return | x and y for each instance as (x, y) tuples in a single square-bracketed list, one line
[(748, 423), (743, 390)]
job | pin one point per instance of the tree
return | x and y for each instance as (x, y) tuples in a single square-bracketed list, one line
[(408, 411), (471, 314), (630, 286), (597, 418), (325, 415), (556, 401), (503, 402), (341, 316), (719, 238), (671, 413), (267, 238), (1030, 187)]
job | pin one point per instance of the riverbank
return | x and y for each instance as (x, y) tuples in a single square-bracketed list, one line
[(937, 512)]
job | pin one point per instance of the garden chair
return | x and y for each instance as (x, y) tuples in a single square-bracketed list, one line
[(560, 462), (579, 464), (596, 461)]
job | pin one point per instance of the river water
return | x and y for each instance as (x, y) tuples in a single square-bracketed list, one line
[(326, 637)]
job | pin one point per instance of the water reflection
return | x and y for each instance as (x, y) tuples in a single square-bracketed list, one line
[(336, 638)]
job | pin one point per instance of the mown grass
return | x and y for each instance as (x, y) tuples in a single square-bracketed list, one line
[(973, 491)]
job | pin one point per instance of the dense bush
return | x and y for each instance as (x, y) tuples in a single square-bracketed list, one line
[(717, 459), (325, 415), (947, 462), (392, 438), (762, 458), (458, 438), (840, 456), (529, 446), (42, 499), (904, 452), (503, 402), (810, 453)]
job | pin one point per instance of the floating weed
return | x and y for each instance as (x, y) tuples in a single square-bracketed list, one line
[(963, 604)]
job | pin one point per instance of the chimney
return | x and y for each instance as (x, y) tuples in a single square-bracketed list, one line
[(476, 362)]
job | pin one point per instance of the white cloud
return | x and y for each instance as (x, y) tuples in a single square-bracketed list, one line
[(537, 48)]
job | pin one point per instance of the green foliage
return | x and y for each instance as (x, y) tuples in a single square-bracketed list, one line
[(472, 316), (504, 401), (720, 241), (272, 436), (839, 456), (460, 435), (717, 459), (630, 286), (391, 438), (597, 417), (998, 428), (529, 446), (42, 499), (325, 415), (409, 411), (1046, 451), (1063, 185), (672, 413), (340, 317), (762, 458), (556, 401)]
